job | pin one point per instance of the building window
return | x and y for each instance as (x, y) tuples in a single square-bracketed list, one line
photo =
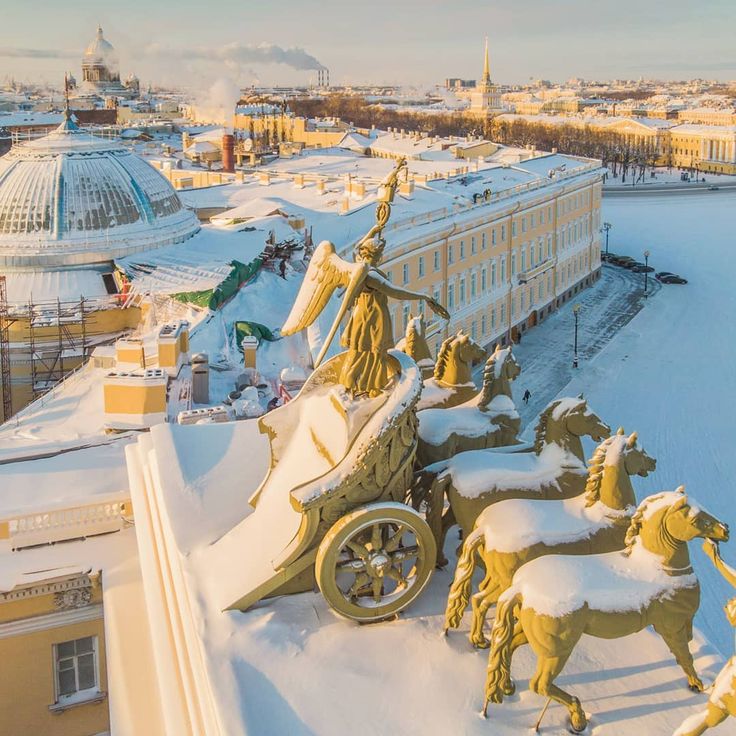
[(473, 331), (451, 254), (483, 324), (503, 234), (513, 228), (472, 245), (541, 217), (549, 245), (513, 264), (493, 274), (523, 258), (493, 236), (407, 306), (522, 302), (436, 260), (523, 224), (76, 669), (483, 284), (533, 218), (503, 314), (503, 270), (405, 272), (462, 249), (421, 266), (461, 299), (473, 292), (482, 241), (451, 296), (493, 319), (541, 290)]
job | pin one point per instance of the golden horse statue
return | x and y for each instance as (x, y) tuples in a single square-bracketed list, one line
[(415, 345), (554, 600), (554, 469), (452, 382), (511, 533), (722, 700), (489, 419), (368, 335)]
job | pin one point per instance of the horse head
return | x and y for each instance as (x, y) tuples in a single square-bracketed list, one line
[(636, 460), (468, 350), (665, 522), (564, 422), (613, 462)]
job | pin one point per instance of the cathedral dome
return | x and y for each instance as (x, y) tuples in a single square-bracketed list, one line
[(70, 198), (99, 50)]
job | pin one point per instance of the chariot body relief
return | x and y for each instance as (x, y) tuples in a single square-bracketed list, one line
[(368, 335)]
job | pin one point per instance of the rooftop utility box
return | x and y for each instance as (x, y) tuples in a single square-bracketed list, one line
[(173, 346), (135, 399)]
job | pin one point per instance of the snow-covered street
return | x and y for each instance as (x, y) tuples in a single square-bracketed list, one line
[(669, 373)]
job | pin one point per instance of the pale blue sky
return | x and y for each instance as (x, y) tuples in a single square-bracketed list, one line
[(399, 41)]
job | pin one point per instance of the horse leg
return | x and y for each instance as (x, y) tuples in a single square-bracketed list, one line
[(542, 683), (518, 640), (678, 643), (698, 724), (486, 596)]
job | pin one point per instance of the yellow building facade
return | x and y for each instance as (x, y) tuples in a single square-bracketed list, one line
[(503, 273), (52, 644)]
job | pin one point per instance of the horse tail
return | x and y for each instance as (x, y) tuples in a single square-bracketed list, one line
[(459, 596), (498, 677)]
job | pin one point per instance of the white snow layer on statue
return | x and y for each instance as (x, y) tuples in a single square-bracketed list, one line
[(509, 526), (436, 425), (469, 470), (556, 585), (266, 533)]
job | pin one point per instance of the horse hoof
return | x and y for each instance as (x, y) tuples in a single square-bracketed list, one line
[(480, 643), (578, 723), (696, 686), (509, 689)]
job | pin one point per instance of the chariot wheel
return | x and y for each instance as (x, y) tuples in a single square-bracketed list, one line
[(375, 561)]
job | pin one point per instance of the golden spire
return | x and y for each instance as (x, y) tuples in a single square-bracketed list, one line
[(486, 67)]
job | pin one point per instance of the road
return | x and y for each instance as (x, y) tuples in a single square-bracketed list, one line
[(546, 352), (660, 190)]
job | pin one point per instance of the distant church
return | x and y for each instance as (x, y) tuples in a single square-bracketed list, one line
[(485, 101), (101, 72)]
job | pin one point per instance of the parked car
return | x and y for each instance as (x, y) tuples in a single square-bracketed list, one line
[(713, 187), (661, 274), (673, 279), (622, 260), (641, 268)]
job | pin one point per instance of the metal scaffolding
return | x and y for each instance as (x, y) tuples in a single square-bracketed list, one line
[(5, 352)]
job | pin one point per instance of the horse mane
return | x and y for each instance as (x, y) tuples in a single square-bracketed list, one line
[(489, 373), (637, 521), (540, 431), (595, 470), (410, 337), (442, 356)]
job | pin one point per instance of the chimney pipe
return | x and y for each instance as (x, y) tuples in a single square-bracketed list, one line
[(228, 153)]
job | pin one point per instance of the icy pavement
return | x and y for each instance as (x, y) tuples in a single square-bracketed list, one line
[(546, 352)]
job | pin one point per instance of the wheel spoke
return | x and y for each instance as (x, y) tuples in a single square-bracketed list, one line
[(405, 553), (395, 574), (395, 540), (376, 537), (358, 550), (354, 566), (361, 580), (377, 588)]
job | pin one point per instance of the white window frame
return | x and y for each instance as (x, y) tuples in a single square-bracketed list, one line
[(79, 696)]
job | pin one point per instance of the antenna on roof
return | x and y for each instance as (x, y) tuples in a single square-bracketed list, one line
[(67, 111)]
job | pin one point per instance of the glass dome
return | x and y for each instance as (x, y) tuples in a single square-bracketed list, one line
[(71, 198)]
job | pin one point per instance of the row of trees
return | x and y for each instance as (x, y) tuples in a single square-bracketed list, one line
[(624, 155)]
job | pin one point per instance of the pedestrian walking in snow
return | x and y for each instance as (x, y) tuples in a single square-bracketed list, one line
[(527, 396), (282, 268)]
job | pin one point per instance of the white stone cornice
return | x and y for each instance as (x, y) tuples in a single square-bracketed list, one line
[(50, 621)]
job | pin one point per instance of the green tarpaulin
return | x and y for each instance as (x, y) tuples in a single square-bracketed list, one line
[(254, 329), (215, 298)]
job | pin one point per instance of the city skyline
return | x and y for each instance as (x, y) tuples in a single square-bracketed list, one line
[(416, 43)]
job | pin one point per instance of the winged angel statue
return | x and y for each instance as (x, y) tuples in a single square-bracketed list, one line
[(368, 334)]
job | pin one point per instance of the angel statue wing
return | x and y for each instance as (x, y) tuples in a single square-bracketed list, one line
[(326, 272)]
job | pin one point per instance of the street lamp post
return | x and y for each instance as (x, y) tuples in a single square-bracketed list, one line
[(646, 273), (575, 311), (606, 228)]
